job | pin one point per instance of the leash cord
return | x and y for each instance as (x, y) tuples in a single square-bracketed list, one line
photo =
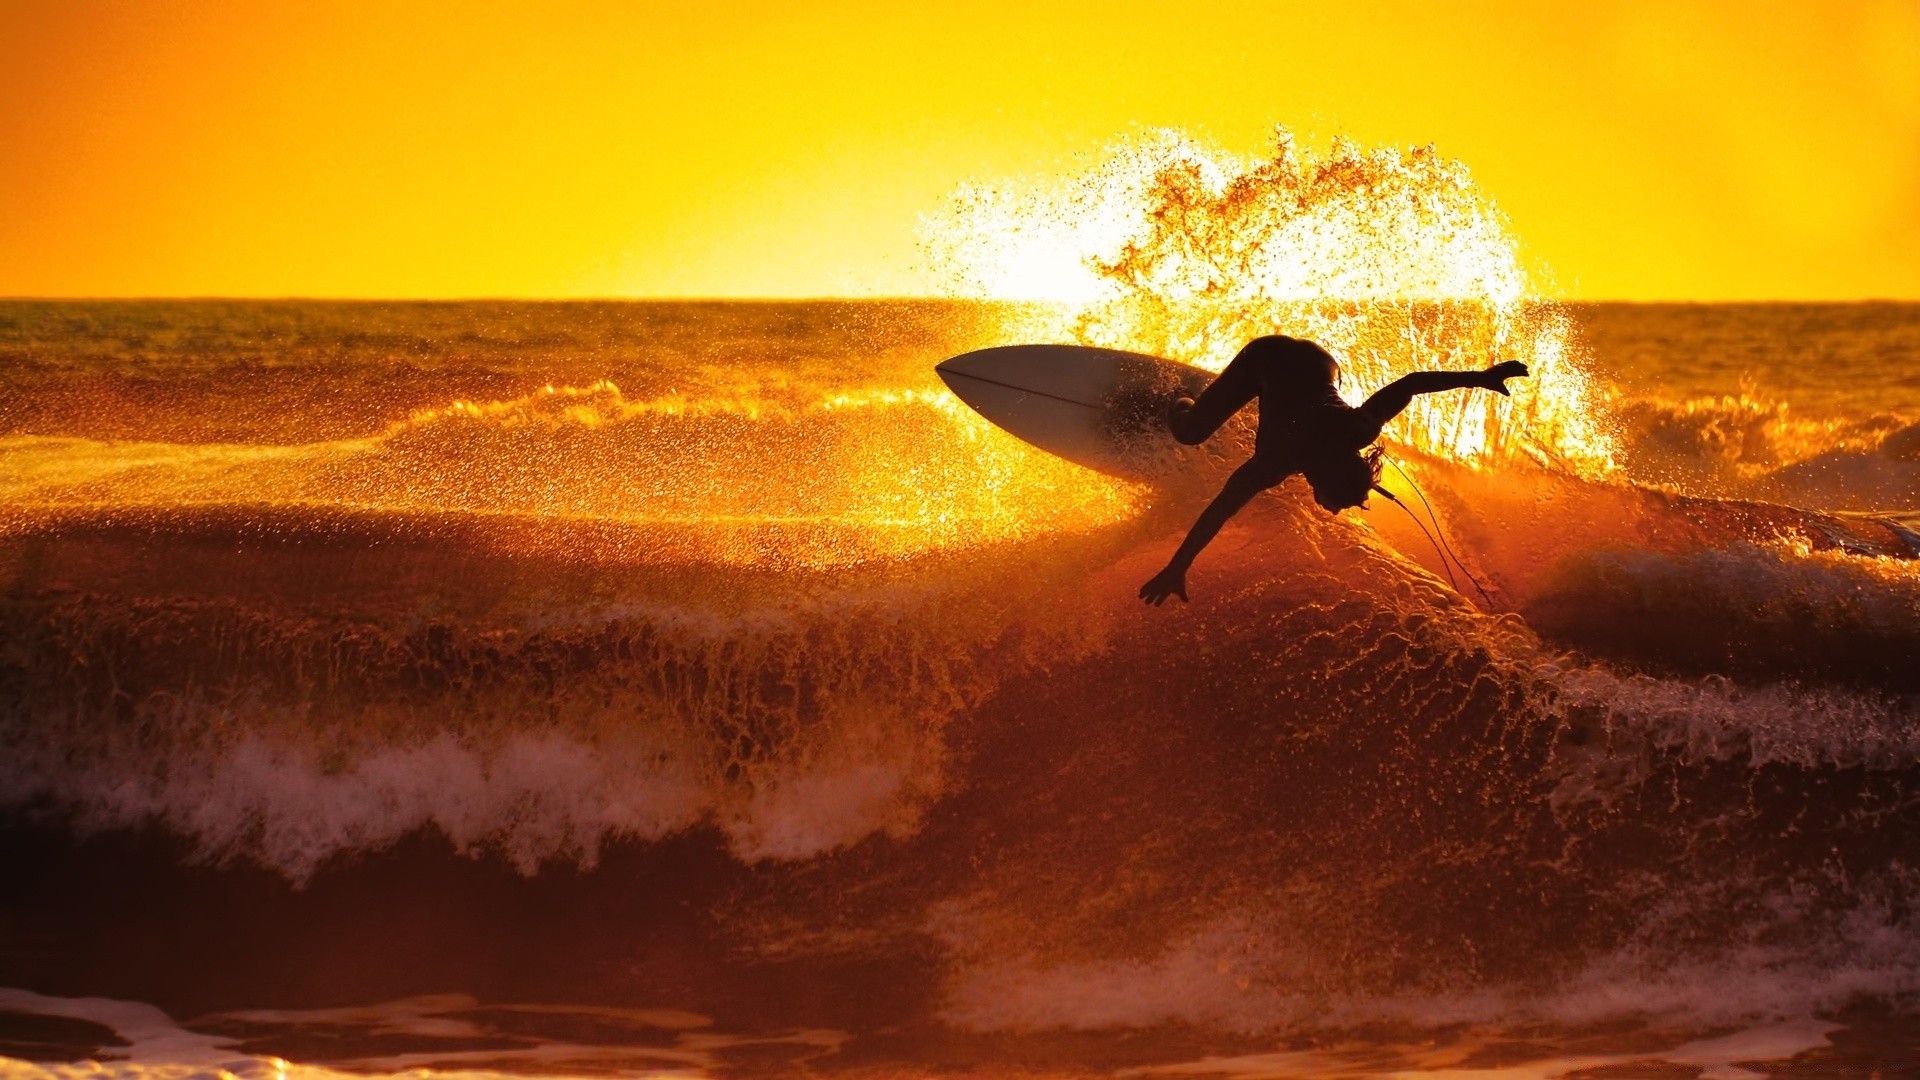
[(1422, 526), (1436, 529)]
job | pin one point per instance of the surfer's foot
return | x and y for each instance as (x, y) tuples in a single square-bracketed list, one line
[(1178, 415), (1169, 582)]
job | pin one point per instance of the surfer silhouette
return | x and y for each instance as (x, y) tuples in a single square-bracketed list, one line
[(1304, 428)]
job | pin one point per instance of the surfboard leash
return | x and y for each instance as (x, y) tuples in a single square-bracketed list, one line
[(1437, 547)]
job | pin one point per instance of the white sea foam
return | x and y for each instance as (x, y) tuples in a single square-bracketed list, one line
[(530, 800)]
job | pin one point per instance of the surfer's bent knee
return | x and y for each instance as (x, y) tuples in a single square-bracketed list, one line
[(1181, 423)]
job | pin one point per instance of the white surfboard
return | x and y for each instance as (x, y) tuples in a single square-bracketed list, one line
[(1101, 408)]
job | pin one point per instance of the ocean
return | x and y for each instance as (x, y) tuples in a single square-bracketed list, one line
[(698, 689)]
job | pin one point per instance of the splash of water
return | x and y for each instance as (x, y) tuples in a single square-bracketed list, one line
[(1391, 259)]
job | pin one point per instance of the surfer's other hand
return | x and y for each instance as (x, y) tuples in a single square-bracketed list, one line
[(1169, 582), (1498, 374)]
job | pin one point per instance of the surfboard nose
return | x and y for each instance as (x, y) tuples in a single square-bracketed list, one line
[(1000, 365), (978, 360), (947, 369)]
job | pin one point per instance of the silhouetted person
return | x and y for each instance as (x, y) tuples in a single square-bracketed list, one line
[(1304, 428)]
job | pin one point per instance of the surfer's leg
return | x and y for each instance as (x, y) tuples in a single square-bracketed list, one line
[(1224, 396)]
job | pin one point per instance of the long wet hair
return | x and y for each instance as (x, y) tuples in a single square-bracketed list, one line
[(1344, 479)]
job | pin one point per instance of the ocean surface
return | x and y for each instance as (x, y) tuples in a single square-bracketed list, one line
[(698, 689)]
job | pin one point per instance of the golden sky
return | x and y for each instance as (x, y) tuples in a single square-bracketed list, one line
[(1642, 150)]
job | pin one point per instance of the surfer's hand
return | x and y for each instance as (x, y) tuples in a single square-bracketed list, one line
[(1498, 374), (1169, 582)]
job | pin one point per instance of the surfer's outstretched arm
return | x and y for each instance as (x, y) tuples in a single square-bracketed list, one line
[(1247, 481), (1389, 400)]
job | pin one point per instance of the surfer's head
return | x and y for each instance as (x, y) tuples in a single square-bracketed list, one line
[(1343, 479)]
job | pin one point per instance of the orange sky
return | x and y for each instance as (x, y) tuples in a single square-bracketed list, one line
[(1656, 150)]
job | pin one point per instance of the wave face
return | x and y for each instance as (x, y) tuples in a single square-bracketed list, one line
[(708, 657)]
